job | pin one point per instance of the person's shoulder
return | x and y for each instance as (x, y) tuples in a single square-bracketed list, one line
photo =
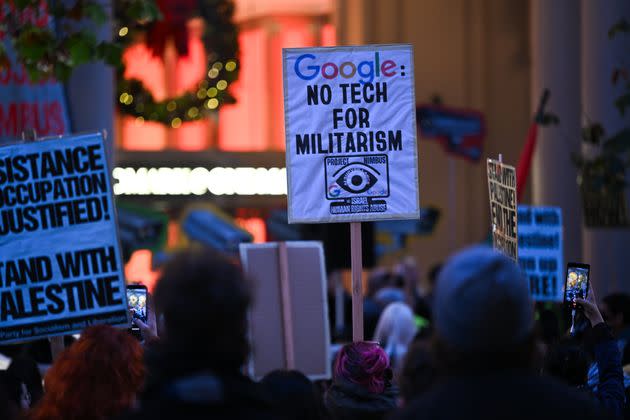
[(523, 396)]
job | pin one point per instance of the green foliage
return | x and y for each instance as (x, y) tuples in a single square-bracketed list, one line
[(593, 133), (619, 143), (140, 11), (622, 26), (622, 103), (81, 48), (95, 12), (602, 179), (110, 53), (45, 54)]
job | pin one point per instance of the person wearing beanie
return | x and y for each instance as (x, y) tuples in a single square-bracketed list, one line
[(361, 387), (483, 347)]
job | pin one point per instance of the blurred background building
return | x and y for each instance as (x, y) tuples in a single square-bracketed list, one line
[(492, 56)]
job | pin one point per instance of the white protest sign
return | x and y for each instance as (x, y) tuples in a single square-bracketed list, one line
[(350, 130), (540, 250), (288, 321), (60, 262), (503, 215)]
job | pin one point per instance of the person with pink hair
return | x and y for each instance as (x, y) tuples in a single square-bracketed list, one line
[(362, 387)]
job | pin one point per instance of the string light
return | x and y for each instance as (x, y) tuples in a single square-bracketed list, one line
[(222, 69), (212, 103), (193, 112)]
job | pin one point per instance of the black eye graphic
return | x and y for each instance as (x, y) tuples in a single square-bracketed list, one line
[(356, 177)]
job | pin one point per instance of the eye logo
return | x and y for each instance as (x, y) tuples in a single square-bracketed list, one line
[(356, 178)]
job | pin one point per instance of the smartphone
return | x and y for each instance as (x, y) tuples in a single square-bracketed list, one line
[(137, 304), (576, 284)]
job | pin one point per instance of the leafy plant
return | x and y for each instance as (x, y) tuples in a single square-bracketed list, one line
[(50, 39), (602, 179)]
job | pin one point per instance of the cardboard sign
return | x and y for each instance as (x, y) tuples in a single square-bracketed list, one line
[(289, 318), (60, 264), (350, 129), (503, 215), (540, 250)]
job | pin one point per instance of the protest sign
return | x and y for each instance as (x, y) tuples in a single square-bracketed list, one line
[(289, 317), (60, 262), (25, 104), (540, 250), (350, 133), (503, 216)]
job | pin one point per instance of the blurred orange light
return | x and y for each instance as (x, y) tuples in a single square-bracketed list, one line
[(255, 226), (138, 269)]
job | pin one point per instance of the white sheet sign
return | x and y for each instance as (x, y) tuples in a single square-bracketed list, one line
[(503, 215), (540, 251), (350, 130), (60, 261)]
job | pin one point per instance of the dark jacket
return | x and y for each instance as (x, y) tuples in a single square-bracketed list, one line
[(183, 385), (513, 395), (609, 390), (346, 400), (205, 396)]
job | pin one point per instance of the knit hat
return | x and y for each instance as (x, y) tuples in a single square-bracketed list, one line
[(482, 302)]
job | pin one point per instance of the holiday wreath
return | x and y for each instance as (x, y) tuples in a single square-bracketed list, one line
[(221, 46)]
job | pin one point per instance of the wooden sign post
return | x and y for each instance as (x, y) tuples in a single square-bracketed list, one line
[(351, 158), (287, 319), (356, 264)]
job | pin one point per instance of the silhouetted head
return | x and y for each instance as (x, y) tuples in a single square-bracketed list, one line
[(204, 299), (482, 313)]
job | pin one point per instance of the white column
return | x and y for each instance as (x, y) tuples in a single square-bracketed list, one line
[(555, 55), (90, 92), (607, 250)]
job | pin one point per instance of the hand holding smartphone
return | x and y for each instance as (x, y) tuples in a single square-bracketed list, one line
[(576, 284), (137, 304)]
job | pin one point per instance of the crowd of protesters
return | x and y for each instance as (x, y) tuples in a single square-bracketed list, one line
[(474, 346)]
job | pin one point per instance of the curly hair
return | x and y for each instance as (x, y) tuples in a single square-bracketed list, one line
[(365, 364), (97, 377)]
